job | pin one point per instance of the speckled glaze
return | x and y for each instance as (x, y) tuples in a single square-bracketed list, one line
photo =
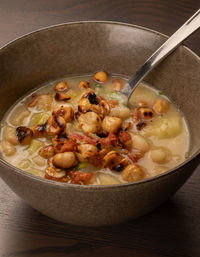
[(85, 47)]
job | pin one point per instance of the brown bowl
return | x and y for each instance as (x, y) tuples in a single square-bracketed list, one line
[(84, 47)]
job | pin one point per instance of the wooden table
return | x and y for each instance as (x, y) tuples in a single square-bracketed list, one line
[(172, 229)]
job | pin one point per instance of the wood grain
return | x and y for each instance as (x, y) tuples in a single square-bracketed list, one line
[(172, 229)]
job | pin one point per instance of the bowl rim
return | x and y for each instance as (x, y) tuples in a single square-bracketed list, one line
[(94, 187)]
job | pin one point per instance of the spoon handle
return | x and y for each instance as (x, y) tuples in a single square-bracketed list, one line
[(189, 27)]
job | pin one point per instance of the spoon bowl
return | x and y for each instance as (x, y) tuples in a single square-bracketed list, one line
[(186, 30)]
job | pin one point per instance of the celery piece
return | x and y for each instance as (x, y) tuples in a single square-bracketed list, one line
[(159, 93), (24, 164), (72, 94), (36, 172), (35, 146), (98, 85), (80, 165), (39, 118), (119, 97)]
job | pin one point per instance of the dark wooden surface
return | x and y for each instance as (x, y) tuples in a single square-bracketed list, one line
[(173, 229)]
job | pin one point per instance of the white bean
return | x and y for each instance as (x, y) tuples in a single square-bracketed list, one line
[(9, 134), (7, 148), (18, 117)]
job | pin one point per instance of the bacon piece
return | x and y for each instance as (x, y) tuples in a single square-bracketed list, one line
[(81, 178), (62, 144), (86, 138), (133, 156), (136, 115), (112, 103), (111, 139), (125, 139), (124, 136)]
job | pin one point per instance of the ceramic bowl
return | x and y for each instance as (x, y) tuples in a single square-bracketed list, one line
[(83, 48)]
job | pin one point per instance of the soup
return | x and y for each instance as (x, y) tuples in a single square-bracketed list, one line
[(79, 130)]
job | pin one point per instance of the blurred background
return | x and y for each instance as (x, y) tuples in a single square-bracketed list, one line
[(22, 16)]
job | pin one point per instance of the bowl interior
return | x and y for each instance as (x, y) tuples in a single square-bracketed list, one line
[(85, 47)]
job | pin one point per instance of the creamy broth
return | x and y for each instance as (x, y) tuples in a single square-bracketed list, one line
[(152, 145)]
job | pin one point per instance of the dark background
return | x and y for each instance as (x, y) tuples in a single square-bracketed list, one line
[(173, 229)]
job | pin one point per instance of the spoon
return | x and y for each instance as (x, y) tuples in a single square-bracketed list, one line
[(189, 27)]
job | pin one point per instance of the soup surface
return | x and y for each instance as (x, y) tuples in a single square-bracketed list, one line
[(79, 130)]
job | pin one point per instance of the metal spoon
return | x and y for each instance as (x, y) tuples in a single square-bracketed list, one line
[(170, 45)]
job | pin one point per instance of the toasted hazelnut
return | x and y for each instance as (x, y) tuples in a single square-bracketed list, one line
[(24, 135), (111, 124), (84, 85), (117, 85), (66, 112), (161, 105), (47, 152), (100, 76), (90, 122), (62, 97), (86, 152), (146, 113), (133, 173), (62, 86), (55, 125), (55, 172)]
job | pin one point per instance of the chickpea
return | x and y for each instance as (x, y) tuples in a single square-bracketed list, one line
[(62, 86), (55, 173), (47, 151), (139, 143), (117, 85), (24, 135), (122, 112), (66, 112), (64, 160), (160, 155), (111, 124), (161, 105), (84, 85), (9, 134), (100, 76), (90, 122), (86, 152), (132, 173), (7, 148)]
